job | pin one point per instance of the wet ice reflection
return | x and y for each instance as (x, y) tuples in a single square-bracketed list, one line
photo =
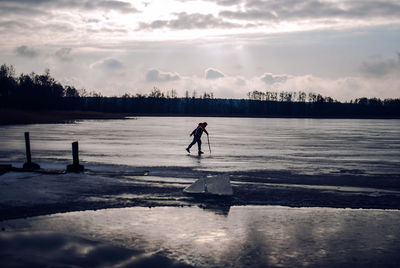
[(246, 236)]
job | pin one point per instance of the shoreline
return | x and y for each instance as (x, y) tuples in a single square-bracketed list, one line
[(19, 117)]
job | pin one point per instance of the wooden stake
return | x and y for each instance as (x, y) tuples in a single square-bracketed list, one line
[(29, 164), (75, 167)]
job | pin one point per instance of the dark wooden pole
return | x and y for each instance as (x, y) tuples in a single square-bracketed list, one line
[(29, 164), (28, 148), (75, 153), (75, 167)]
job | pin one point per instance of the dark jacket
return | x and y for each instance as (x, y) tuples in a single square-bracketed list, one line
[(199, 130)]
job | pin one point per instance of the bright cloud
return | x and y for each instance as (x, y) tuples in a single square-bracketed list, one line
[(107, 64), (213, 74), (271, 79), (159, 76)]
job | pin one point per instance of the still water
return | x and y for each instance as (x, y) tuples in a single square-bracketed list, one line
[(304, 146), (250, 236)]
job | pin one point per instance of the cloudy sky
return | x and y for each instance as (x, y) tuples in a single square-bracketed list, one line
[(339, 48)]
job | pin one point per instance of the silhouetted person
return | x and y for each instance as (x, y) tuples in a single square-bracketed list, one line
[(197, 136)]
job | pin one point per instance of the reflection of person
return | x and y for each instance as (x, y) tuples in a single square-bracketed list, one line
[(197, 136)]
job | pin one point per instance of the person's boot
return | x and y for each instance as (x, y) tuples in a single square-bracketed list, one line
[(200, 152), (188, 150)]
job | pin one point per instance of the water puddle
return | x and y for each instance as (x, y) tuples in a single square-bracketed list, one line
[(247, 236)]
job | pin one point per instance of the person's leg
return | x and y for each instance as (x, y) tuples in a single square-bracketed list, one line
[(199, 144), (190, 145)]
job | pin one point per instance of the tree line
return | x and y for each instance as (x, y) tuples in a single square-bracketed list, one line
[(42, 92)]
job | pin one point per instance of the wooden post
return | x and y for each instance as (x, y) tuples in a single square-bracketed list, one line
[(75, 167), (75, 153), (28, 148), (29, 164)]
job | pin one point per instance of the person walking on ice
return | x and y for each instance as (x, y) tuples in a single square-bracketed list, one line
[(197, 136)]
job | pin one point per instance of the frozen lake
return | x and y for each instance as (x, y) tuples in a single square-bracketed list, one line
[(320, 167), (303, 146)]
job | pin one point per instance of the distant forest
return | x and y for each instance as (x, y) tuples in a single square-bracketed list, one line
[(42, 92)]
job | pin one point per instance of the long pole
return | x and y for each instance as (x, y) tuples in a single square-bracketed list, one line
[(209, 147)]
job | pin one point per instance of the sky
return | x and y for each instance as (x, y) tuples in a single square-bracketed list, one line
[(338, 48)]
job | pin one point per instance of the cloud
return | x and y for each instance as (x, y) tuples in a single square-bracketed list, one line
[(283, 10), (25, 51), (154, 75), (381, 67), (17, 9), (12, 25), (64, 54), (220, 2), (213, 74), (228, 2), (185, 21), (33, 6), (123, 7), (240, 81), (270, 79), (108, 64), (343, 88)]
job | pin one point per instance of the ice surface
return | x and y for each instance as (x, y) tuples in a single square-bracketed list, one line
[(306, 146), (297, 162), (199, 186), (219, 185)]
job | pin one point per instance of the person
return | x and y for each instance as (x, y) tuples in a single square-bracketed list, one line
[(197, 136)]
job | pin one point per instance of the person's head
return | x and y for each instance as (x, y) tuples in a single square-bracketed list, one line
[(205, 124)]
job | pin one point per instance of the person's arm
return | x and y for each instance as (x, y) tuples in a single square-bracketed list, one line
[(191, 134), (206, 131)]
